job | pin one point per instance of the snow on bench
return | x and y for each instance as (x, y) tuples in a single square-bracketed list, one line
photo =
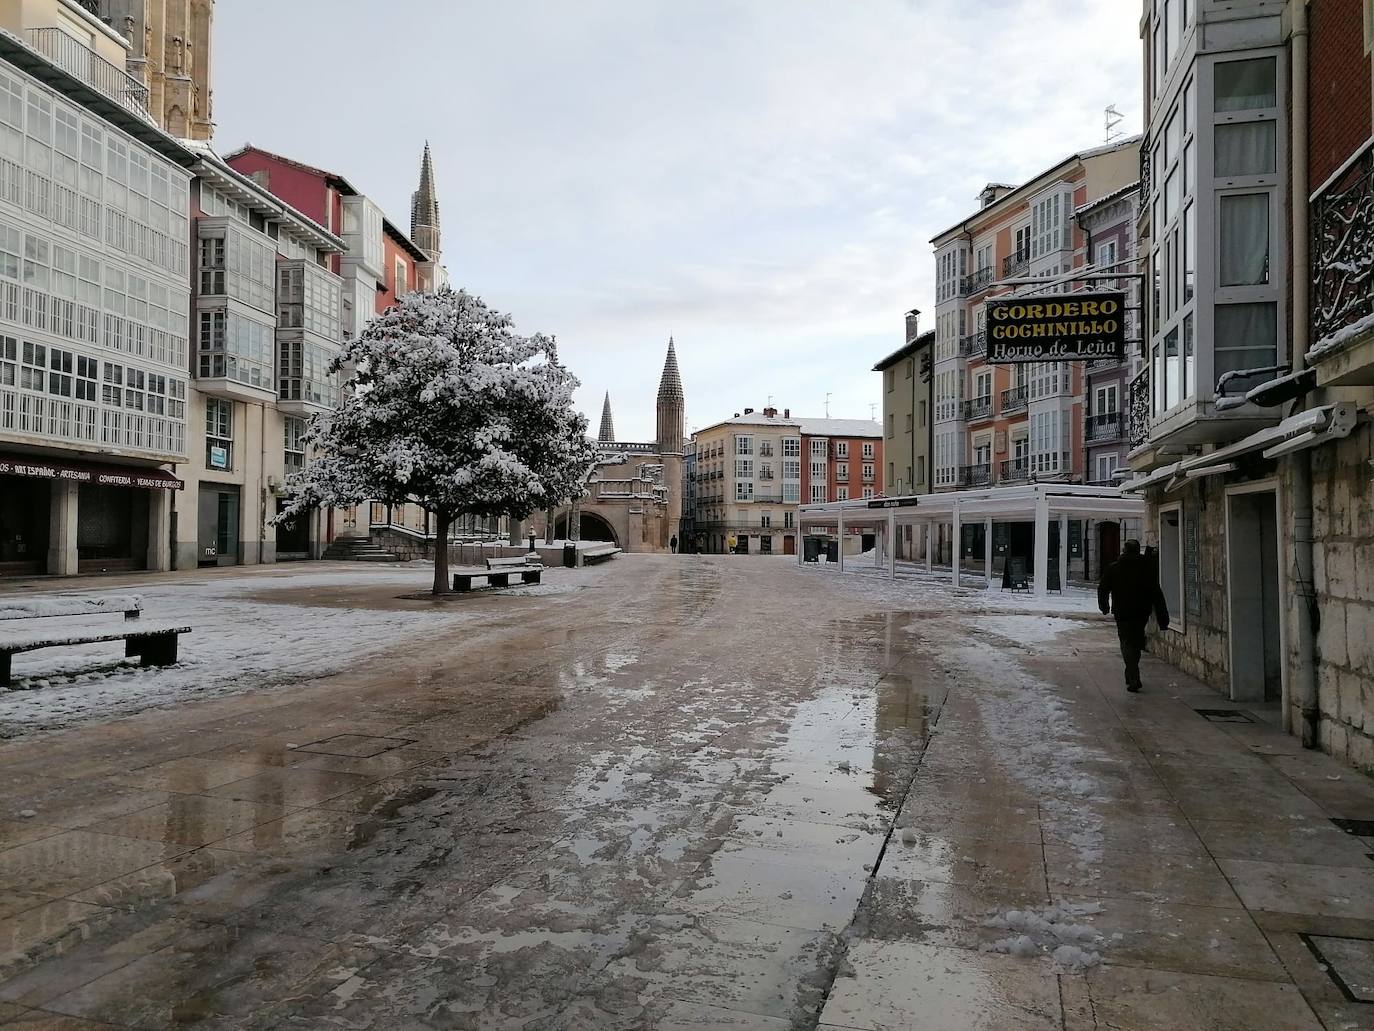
[(515, 562), (152, 645), (131, 605), (497, 574), (599, 553)]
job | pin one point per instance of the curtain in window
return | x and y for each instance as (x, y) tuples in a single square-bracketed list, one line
[(1245, 85), (1244, 148), (1246, 338), (1245, 239)]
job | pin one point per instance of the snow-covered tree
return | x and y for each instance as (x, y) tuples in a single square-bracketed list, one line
[(448, 408)]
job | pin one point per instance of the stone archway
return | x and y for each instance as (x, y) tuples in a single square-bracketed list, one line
[(594, 528)]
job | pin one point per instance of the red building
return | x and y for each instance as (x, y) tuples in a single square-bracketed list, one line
[(842, 460)]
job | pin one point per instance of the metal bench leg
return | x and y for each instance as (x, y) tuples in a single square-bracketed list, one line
[(5, 667), (531, 577), (498, 579), (158, 650), (462, 583)]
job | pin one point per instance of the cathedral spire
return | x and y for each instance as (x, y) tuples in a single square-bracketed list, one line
[(671, 406), (424, 210), (607, 434)]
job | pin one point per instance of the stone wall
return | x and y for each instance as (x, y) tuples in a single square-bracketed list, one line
[(1343, 572)]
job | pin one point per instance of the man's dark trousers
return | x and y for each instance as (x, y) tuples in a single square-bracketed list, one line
[(1131, 633)]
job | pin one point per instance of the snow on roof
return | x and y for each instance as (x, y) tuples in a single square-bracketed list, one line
[(756, 419), (841, 428)]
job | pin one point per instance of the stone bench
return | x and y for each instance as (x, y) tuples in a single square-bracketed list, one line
[(599, 553), (496, 575), (153, 646)]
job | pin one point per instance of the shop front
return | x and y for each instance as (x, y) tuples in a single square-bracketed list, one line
[(64, 518)]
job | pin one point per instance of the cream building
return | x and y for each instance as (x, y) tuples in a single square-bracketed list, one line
[(169, 53), (94, 301), (748, 471)]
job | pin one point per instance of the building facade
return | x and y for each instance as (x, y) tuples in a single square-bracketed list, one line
[(749, 483), (1013, 423), (267, 322), (95, 411), (1251, 424), (908, 431), (169, 53), (843, 460)]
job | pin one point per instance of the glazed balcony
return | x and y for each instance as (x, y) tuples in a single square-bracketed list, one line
[(79, 60), (1342, 330)]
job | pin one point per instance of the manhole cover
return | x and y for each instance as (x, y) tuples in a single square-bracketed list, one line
[(355, 746), (1348, 961), (1225, 715), (1359, 828)]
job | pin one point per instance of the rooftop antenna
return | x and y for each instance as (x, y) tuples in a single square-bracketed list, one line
[(1111, 118), (827, 405), (872, 410)]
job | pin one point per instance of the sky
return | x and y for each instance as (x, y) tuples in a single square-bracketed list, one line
[(760, 180)]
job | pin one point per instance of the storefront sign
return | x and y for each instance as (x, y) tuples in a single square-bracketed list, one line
[(893, 503), (105, 475), (1057, 328)]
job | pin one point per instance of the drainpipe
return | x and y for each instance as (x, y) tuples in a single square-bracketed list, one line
[(1305, 671), (1087, 469)]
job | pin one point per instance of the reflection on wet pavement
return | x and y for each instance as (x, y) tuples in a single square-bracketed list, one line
[(675, 812)]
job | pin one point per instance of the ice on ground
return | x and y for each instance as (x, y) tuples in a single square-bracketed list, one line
[(1054, 930), (1075, 959)]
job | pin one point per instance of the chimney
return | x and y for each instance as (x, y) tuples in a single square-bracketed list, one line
[(748, 411), (787, 413), (772, 413)]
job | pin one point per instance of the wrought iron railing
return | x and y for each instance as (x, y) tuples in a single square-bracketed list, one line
[(974, 345), (1103, 426), (1343, 248), (1015, 469), (980, 280), (77, 59), (1015, 399), (976, 475), (976, 408), (1138, 412), (1015, 264), (1145, 178)]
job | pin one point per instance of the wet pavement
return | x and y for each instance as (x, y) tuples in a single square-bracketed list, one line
[(696, 793)]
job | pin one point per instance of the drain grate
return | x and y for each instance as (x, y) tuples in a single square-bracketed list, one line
[(1225, 715), (1349, 962), (1359, 828), (354, 746)]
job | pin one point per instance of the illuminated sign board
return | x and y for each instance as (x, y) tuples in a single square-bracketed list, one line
[(1056, 328)]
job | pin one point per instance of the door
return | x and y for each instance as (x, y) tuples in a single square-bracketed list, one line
[(218, 525), (227, 530), (789, 544), (1108, 544), (1253, 596)]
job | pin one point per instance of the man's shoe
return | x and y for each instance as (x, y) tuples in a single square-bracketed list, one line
[(1133, 688)]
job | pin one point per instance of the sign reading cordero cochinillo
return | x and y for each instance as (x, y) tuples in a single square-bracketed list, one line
[(1058, 328)]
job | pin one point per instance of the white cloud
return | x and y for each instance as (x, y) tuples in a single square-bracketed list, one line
[(759, 179)]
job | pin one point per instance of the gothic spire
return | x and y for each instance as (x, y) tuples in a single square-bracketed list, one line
[(424, 210), (670, 386), (607, 434)]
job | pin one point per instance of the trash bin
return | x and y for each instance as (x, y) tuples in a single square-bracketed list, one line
[(811, 549), (570, 555), (832, 551)]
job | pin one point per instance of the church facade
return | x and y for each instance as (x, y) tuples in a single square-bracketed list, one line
[(634, 494)]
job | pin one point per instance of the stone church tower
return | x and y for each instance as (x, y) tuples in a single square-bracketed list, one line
[(672, 415), (169, 52), (424, 211), (607, 433)]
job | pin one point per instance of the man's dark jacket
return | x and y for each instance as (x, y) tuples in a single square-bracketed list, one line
[(1133, 589)]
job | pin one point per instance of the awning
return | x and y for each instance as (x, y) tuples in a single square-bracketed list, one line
[(105, 475)]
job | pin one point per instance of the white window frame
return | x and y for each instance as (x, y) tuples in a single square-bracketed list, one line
[(1177, 610)]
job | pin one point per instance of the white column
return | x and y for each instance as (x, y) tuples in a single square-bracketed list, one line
[(930, 551), (892, 545), (881, 543), (801, 542), (956, 530), (987, 548), (1063, 550), (159, 557), (62, 528), (839, 532), (1042, 542)]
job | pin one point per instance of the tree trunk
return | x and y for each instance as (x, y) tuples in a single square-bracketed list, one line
[(441, 581)]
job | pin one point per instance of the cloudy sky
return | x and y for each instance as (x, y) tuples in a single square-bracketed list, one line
[(759, 179)]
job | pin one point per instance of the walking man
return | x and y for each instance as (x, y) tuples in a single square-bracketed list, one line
[(672, 543), (1130, 591)]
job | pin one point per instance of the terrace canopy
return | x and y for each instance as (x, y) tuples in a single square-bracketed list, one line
[(1037, 503)]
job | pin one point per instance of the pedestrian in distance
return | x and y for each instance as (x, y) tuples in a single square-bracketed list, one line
[(672, 543), (1130, 591)]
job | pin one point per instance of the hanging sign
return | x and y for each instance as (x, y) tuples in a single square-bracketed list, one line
[(893, 503), (104, 475), (1056, 328)]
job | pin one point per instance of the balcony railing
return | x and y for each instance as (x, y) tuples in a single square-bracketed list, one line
[(976, 408), (1103, 363), (975, 475), (1015, 264), (79, 60), (1343, 250), (1014, 399), (1103, 426), (1015, 470), (976, 282), (975, 345)]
